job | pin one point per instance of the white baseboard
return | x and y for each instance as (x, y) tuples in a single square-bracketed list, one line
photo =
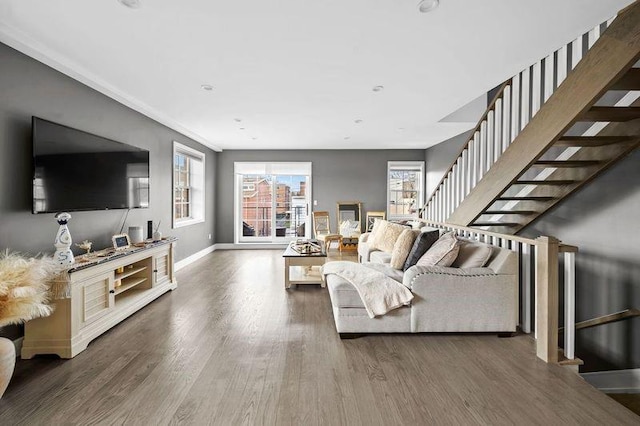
[(250, 246), (615, 381), (195, 256)]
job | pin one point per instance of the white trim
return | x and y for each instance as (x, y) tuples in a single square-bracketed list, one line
[(615, 381), (25, 44), (195, 256), (250, 246)]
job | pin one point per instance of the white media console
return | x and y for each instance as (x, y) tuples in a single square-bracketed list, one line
[(102, 294)]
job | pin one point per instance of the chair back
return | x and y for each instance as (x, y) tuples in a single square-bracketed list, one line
[(321, 224)]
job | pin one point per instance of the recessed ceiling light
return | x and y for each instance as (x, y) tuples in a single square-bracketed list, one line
[(347, 138), (131, 4), (237, 120), (241, 128), (206, 87), (428, 5), (400, 129), (254, 138), (378, 88), (358, 121)]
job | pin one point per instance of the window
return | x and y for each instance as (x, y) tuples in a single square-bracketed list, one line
[(188, 185), (272, 201), (405, 189)]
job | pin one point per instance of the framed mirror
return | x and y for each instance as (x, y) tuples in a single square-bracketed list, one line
[(350, 211), (371, 218)]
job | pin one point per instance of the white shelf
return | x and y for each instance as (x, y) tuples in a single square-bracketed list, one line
[(129, 272), (131, 282)]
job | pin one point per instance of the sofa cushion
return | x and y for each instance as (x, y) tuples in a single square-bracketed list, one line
[(386, 235), (472, 254), (402, 247), (420, 246), (378, 256), (442, 253)]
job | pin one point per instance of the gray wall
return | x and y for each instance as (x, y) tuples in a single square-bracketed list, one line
[(602, 220), (439, 157), (27, 88), (338, 175)]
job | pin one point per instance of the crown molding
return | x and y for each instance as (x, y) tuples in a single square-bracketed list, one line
[(26, 45)]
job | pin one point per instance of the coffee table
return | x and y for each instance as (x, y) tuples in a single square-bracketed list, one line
[(303, 268)]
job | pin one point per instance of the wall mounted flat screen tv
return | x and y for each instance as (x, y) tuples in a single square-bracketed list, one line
[(75, 170)]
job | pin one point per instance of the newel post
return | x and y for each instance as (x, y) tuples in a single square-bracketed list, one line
[(547, 250)]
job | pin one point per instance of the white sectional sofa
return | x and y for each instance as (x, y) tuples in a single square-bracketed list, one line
[(446, 299)]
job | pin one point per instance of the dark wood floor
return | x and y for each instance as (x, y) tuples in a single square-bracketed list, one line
[(232, 346)]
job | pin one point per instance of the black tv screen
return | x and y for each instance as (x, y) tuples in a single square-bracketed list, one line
[(75, 170)]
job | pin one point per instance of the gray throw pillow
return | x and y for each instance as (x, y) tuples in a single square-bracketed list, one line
[(423, 242)]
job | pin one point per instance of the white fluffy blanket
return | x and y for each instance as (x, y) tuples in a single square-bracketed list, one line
[(379, 293)]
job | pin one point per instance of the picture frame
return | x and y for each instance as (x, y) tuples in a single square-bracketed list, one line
[(371, 218), (121, 241)]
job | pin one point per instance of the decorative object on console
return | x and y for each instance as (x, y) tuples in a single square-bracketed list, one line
[(24, 295), (135, 234), (157, 235), (121, 241), (149, 229), (85, 245), (372, 217), (63, 254)]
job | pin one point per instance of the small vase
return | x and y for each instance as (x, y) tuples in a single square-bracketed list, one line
[(7, 363)]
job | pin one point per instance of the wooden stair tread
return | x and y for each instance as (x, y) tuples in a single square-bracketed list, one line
[(618, 114), (527, 198), (520, 212), (507, 224), (591, 141), (566, 163), (629, 81), (545, 182), (563, 360)]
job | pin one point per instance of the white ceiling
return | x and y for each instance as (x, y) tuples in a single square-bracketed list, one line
[(298, 72)]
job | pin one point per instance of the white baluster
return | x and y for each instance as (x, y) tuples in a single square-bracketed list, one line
[(525, 85), (562, 64), (576, 51), (569, 304), (549, 70), (490, 140), (476, 158), (506, 119), (497, 139), (470, 169), (593, 36), (525, 265), (483, 149), (464, 171), (515, 107), (536, 87)]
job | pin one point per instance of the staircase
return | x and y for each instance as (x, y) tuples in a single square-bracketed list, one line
[(550, 129)]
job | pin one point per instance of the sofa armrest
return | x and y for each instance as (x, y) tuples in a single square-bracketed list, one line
[(456, 299), (363, 238)]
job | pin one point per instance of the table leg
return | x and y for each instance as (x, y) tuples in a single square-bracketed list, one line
[(287, 284)]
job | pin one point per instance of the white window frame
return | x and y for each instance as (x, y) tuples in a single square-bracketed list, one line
[(406, 165), (197, 181)]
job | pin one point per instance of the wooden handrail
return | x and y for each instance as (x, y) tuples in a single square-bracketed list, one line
[(510, 237), (606, 319), (466, 146)]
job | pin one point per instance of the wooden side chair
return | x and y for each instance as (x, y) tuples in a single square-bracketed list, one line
[(322, 229)]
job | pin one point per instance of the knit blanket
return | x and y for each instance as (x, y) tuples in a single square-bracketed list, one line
[(379, 293)]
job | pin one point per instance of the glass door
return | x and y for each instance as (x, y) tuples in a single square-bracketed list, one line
[(273, 208)]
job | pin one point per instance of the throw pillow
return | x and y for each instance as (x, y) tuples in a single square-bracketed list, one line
[(472, 254), (387, 235), (402, 247), (442, 253), (423, 242), (377, 232)]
